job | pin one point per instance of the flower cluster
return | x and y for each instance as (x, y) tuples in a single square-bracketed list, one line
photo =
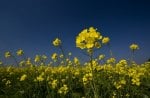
[(134, 47), (89, 38)]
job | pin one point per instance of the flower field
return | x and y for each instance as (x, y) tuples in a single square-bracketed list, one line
[(66, 77)]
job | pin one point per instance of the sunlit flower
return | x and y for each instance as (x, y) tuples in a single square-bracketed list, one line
[(7, 54), (63, 90), (54, 84), (37, 58), (105, 40), (57, 42), (28, 61), (23, 77), (101, 57), (40, 78), (111, 60), (76, 60), (88, 38), (44, 57), (134, 47), (54, 56), (20, 52)]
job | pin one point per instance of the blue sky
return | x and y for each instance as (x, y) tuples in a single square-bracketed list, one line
[(33, 24)]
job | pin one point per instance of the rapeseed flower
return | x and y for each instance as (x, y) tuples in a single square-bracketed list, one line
[(54, 84), (37, 58), (57, 42), (105, 40), (23, 77), (7, 54), (20, 52), (54, 56), (88, 38), (134, 47), (63, 90), (111, 60), (76, 61), (101, 57)]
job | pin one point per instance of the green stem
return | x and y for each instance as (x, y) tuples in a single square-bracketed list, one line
[(61, 49), (15, 60), (110, 51), (92, 71)]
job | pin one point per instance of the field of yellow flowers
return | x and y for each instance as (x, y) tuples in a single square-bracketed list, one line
[(64, 77)]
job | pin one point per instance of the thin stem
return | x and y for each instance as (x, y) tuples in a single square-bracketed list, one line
[(15, 60), (61, 49), (110, 51), (93, 75)]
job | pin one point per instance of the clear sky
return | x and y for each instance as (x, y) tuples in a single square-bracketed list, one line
[(33, 24)]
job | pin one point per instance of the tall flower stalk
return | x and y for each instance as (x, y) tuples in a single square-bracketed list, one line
[(90, 39), (133, 48), (57, 43)]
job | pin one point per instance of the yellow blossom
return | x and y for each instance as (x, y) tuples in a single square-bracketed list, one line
[(20, 52), (7, 54), (37, 58), (111, 60), (63, 90), (101, 57), (40, 78), (76, 60), (88, 38), (54, 84), (57, 42), (23, 77), (54, 56), (134, 47), (44, 57), (105, 40)]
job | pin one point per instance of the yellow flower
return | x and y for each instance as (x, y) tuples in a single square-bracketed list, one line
[(136, 81), (54, 56), (88, 38), (57, 42), (76, 60), (54, 84), (63, 90), (123, 62), (44, 57), (37, 58), (134, 47), (101, 57), (23, 77), (7, 54), (28, 62), (1, 63), (20, 52), (123, 82), (87, 77), (111, 60), (22, 63), (40, 77), (97, 44), (105, 40)]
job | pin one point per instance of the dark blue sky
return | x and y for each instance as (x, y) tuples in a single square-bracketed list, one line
[(33, 24)]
